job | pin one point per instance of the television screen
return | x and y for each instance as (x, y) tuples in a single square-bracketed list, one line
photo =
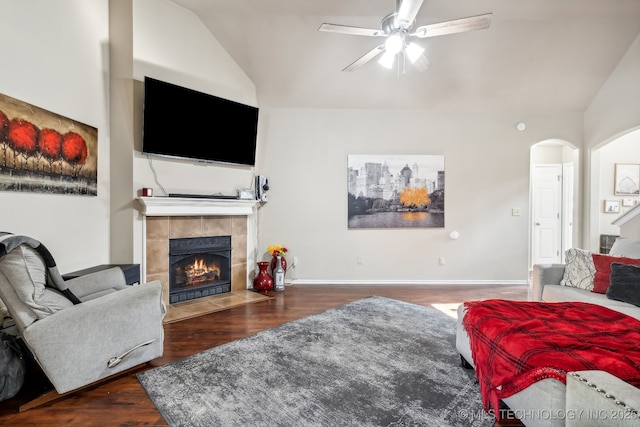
[(184, 123)]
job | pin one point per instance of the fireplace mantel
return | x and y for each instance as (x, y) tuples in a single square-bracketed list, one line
[(178, 206), (166, 218)]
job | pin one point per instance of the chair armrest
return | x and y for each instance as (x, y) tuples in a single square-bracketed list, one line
[(74, 345), (596, 398), (545, 274), (96, 282)]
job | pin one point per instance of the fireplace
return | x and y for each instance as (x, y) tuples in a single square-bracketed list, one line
[(199, 267)]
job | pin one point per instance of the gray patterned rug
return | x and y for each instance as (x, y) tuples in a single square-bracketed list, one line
[(372, 362)]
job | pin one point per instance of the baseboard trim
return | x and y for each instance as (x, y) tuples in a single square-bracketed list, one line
[(407, 282)]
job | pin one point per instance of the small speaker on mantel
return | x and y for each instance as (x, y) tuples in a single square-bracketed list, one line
[(262, 186)]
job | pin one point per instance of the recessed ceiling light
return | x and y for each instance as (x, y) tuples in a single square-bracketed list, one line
[(521, 127)]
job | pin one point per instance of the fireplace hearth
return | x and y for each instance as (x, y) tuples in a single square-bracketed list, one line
[(199, 267)]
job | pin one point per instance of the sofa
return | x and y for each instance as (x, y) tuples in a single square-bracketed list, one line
[(589, 398)]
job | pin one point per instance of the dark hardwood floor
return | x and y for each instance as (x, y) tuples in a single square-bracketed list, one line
[(123, 402)]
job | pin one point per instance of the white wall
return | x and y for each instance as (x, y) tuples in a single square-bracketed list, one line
[(550, 154), (631, 228), (58, 59), (487, 174), (616, 108), (171, 44), (55, 56), (304, 154), (195, 60), (546, 155), (614, 112), (302, 151), (625, 149)]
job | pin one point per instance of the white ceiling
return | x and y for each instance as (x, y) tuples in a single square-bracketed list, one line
[(538, 55)]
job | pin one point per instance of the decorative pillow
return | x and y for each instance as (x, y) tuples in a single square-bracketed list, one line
[(579, 269), (625, 283), (603, 270), (625, 246)]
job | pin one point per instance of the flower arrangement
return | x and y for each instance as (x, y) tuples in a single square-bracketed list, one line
[(277, 250)]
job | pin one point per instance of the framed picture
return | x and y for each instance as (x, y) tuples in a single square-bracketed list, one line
[(44, 152), (628, 202), (611, 206), (394, 191), (627, 179)]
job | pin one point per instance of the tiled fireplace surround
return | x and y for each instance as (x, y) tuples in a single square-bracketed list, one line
[(169, 221)]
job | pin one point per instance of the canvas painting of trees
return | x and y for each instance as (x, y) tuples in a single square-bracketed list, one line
[(393, 191), (44, 152)]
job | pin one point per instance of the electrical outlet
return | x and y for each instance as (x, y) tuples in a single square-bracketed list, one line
[(441, 260), (295, 261), (515, 212)]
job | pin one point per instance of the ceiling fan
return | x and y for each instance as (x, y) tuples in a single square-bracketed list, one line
[(397, 27)]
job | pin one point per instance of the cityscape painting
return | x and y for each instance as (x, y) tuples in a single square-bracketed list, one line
[(395, 191)]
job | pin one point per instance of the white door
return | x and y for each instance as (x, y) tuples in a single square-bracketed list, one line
[(547, 207)]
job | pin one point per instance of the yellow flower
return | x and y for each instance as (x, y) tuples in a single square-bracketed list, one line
[(277, 250)]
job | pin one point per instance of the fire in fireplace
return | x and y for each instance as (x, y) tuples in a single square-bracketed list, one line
[(199, 272), (199, 267)]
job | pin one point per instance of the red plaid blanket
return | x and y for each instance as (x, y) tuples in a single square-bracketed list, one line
[(517, 343)]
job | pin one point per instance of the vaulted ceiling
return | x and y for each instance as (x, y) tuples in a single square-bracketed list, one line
[(537, 55)]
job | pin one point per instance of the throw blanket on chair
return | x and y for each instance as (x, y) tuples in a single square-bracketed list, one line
[(517, 343), (9, 242)]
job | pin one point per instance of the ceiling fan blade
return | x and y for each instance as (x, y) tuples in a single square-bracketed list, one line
[(364, 58), (407, 12), (346, 29), (422, 63), (461, 25)]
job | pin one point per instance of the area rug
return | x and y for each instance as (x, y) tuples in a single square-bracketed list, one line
[(372, 362)]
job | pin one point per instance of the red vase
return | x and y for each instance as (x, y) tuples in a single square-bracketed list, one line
[(263, 282), (283, 262)]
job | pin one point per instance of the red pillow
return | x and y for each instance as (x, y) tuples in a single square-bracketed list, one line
[(602, 263)]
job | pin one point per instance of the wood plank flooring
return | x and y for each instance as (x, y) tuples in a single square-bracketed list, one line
[(123, 402)]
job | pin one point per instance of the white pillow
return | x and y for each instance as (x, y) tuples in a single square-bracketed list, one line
[(579, 270)]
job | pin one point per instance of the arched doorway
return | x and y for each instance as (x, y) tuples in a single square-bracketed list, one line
[(553, 197)]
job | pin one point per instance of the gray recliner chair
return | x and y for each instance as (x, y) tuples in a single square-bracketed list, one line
[(82, 330)]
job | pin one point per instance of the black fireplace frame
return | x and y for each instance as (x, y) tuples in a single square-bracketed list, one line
[(185, 248)]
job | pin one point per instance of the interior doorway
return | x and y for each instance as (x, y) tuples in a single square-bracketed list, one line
[(622, 148), (552, 200)]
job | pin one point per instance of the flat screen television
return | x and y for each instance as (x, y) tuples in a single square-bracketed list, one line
[(184, 123)]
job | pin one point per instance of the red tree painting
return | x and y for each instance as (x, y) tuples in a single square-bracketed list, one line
[(22, 137), (41, 151), (74, 151), (50, 144)]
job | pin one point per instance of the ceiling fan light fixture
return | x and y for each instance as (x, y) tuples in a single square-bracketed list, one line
[(387, 59), (398, 26), (394, 43), (413, 52)]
